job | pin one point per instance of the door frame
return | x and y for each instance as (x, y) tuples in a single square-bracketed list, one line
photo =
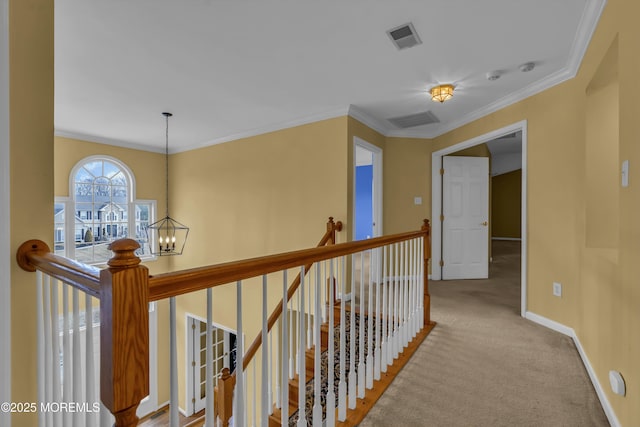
[(377, 185), (190, 407), (436, 201)]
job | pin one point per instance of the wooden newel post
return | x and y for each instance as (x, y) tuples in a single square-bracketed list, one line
[(426, 227), (224, 399), (124, 333), (332, 227)]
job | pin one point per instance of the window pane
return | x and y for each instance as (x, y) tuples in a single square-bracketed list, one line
[(94, 168), (142, 221), (110, 169)]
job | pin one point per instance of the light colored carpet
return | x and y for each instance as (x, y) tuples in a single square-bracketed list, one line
[(484, 365)]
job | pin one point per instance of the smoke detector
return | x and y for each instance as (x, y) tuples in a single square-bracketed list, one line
[(527, 66), (404, 36)]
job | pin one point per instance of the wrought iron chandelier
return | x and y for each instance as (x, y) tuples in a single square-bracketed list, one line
[(167, 236)]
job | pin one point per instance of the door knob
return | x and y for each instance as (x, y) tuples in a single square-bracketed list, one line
[(485, 223)]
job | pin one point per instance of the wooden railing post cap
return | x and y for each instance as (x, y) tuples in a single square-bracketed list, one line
[(426, 225), (124, 253), (30, 246)]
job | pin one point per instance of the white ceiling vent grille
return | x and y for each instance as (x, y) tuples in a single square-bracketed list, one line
[(404, 36), (412, 120)]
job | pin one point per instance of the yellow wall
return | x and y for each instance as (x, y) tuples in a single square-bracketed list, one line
[(31, 174), (251, 197), (506, 204), (407, 174), (600, 293)]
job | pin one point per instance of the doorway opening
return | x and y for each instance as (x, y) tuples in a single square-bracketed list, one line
[(519, 128), (223, 345), (367, 190)]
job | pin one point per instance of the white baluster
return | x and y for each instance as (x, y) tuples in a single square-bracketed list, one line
[(295, 333), (173, 365), (421, 281), (383, 319), (342, 385), (331, 396), (274, 397), (352, 383), (362, 369), (239, 419), (323, 292), (41, 348), (77, 359), (376, 354), (406, 295), (369, 360), (209, 418), (254, 400), (302, 418), (310, 338), (265, 385), (48, 344), (55, 340), (67, 363), (396, 288), (401, 301), (390, 297), (416, 324), (90, 384), (317, 374), (412, 301), (284, 408)]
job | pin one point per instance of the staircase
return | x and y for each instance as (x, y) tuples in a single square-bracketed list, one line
[(360, 346)]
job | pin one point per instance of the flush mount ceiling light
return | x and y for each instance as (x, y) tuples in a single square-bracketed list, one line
[(170, 235), (441, 93)]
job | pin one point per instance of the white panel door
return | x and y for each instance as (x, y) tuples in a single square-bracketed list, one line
[(465, 206)]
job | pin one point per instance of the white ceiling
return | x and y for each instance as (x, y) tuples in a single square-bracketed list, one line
[(228, 69)]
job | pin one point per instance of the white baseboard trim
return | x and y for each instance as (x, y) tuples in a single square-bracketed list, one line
[(570, 332), (514, 239)]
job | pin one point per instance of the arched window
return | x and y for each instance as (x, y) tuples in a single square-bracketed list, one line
[(101, 208)]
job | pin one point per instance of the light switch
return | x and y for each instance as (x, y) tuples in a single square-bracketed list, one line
[(417, 200), (625, 173)]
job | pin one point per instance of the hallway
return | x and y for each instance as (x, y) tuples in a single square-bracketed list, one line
[(485, 365)]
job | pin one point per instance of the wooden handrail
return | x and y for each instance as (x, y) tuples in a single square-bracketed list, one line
[(196, 279), (35, 255), (328, 238)]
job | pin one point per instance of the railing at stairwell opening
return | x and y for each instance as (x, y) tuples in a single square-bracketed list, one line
[(125, 289), (68, 346), (386, 282)]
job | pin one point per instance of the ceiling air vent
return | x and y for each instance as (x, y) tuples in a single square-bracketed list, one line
[(413, 120), (404, 36)]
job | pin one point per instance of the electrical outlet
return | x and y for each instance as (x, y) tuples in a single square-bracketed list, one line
[(557, 289)]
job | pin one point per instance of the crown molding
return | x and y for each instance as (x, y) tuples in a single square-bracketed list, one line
[(364, 118), (106, 141)]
